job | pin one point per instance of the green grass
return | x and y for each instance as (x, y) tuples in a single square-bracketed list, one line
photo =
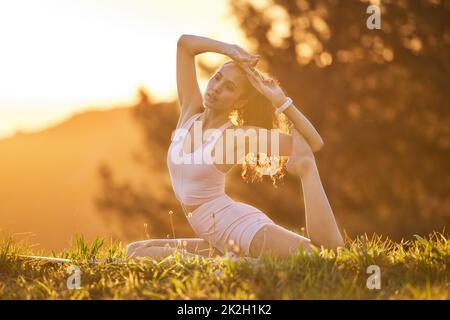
[(414, 269)]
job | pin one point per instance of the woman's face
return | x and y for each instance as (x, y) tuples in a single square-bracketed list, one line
[(225, 88)]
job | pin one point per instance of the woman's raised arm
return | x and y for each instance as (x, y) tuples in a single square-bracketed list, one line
[(188, 46)]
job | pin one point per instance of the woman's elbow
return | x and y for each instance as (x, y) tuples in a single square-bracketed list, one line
[(184, 43), (183, 39)]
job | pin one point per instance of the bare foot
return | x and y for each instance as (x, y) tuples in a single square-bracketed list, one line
[(301, 159)]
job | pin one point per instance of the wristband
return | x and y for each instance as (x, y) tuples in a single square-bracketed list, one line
[(284, 106)]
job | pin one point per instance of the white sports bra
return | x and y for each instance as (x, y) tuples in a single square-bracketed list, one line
[(195, 179)]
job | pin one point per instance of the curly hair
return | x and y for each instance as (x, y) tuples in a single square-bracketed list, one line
[(258, 111)]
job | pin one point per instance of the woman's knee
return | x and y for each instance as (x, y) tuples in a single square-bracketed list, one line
[(276, 240)]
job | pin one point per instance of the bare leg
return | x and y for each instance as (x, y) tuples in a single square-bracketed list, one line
[(192, 245), (159, 253), (277, 241), (320, 222)]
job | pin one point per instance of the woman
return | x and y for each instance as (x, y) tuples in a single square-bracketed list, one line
[(223, 225)]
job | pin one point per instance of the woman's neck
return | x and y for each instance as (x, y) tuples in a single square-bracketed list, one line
[(213, 119)]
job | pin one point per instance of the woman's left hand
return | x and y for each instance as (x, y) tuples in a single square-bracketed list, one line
[(267, 86)]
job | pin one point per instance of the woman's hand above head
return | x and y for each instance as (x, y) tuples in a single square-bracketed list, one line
[(241, 56), (266, 86)]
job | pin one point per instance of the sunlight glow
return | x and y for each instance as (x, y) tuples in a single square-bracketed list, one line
[(59, 57)]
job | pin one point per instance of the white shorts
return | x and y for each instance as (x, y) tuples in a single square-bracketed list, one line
[(220, 220)]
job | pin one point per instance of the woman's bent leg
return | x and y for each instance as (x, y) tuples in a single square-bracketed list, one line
[(320, 222), (277, 241), (159, 253)]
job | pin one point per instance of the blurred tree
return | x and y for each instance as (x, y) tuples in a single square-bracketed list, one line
[(378, 97)]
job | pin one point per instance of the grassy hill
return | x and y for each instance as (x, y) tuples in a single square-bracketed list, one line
[(415, 269)]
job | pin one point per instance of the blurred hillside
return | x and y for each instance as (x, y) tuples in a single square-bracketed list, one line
[(48, 178)]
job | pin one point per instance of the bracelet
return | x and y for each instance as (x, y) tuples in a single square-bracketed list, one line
[(284, 106)]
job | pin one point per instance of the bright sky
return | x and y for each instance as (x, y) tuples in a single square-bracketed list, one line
[(58, 57)]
